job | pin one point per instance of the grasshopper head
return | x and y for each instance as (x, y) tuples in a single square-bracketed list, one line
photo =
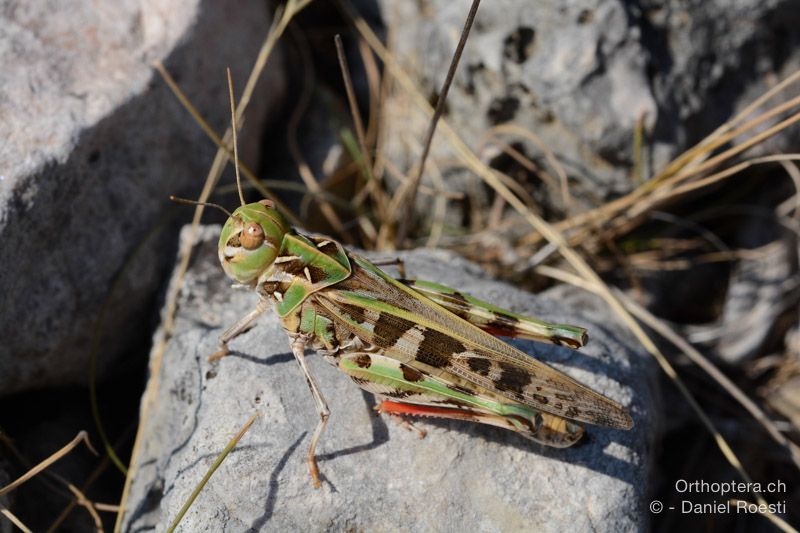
[(250, 240)]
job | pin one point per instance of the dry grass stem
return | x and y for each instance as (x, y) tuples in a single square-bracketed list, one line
[(550, 157), (82, 436), (411, 193), (88, 505), (365, 159), (310, 181), (14, 520)]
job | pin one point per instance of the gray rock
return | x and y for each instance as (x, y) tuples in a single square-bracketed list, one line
[(579, 75), (710, 59), (93, 144), (571, 72), (377, 475)]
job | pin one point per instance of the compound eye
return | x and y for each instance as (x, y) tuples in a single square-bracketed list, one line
[(252, 236)]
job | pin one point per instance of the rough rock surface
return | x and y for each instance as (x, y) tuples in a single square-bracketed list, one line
[(93, 144), (579, 75), (573, 73), (377, 475)]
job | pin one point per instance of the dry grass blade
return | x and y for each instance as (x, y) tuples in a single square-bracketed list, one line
[(82, 436), (514, 129), (684, 174), (366, 160), (791, 205), (599, 288), (375, 84), (411, 193), (222, 144), (310, 181), (708, 180), (213, 468), (235, 140), (713, 140), (624, 218), (741, 147), (276, 30), (696, 357), (84, 502), (519, 157), (14, 520), (106, 507), (56, 525), (779, 522)]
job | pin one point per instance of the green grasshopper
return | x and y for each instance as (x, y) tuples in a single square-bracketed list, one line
[(422, 348)]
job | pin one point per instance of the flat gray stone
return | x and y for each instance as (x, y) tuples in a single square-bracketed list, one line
[(93, 144), (377, 475)]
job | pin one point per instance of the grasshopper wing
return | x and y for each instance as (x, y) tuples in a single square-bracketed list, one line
[(414, 330)]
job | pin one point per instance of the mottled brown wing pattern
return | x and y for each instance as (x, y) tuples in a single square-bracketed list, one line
[(416, 331)]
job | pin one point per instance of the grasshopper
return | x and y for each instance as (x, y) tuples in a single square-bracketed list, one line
[(423, 348)]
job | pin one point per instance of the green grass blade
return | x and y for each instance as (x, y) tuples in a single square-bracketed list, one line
[(213, 468)]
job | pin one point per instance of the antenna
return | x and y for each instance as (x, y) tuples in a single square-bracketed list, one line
[(233, 131), (193, 202)]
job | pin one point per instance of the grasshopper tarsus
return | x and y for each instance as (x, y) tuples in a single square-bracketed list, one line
[(219, 354), (397, 262), (314, 471)]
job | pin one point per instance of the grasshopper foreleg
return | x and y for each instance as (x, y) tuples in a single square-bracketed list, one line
[(241, 325), (298, 349)]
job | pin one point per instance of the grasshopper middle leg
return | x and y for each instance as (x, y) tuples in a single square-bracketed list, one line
[(298, 349)]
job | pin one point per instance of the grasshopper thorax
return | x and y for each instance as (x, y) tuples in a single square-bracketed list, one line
[(250, 240)]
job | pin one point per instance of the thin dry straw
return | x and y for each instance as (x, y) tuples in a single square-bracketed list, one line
[(82, 436), (14, 520), (313, 189), (222, 144), (599, 288), (366, 160), (411, 195)]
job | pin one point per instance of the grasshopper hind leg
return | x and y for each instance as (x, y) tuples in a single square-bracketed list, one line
[(407, 391), (496, 320)]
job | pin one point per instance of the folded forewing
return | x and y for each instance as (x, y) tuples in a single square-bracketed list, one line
[(414, 330)]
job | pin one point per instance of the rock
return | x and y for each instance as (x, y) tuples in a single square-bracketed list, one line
[(711, 59), (94, 143), (579, 75), (377, 475), (573, 73)]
